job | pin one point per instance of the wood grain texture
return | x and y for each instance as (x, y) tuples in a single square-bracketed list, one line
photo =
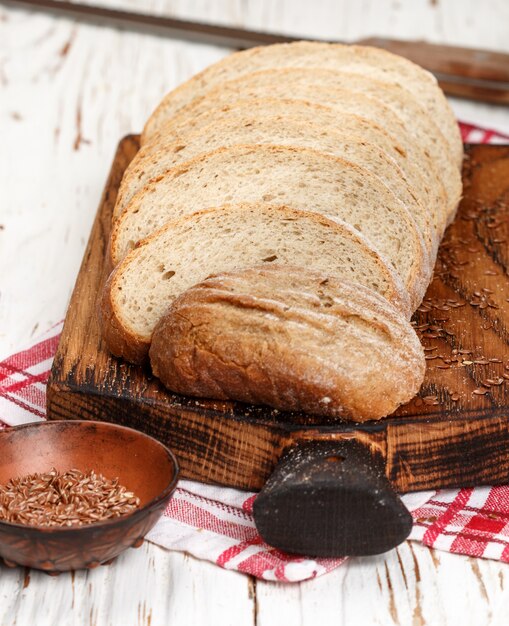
[(144, 587), (453, 434)]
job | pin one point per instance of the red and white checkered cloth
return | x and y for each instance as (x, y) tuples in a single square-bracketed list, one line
[(216, 523)]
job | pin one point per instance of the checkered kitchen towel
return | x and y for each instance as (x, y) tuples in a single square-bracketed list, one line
[(216, 523)]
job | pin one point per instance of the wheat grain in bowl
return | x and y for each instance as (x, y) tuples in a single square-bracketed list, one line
[(69, 498)]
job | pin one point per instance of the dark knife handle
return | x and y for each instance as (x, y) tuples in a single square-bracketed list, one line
[(331, 499)]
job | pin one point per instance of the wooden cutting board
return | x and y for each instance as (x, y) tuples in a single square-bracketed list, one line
[(455, 433)]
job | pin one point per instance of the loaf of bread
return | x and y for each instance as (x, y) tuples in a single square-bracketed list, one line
[(290, 338), (189, 249), (317, 180)]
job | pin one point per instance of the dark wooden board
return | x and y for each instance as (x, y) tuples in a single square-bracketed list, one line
[(452, 434)]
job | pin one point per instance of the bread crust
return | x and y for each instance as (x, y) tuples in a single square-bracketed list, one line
[(274, 336)]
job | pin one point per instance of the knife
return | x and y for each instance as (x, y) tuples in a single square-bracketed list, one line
[(469, 73)]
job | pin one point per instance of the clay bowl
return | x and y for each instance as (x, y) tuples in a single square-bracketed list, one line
[(142, 464)]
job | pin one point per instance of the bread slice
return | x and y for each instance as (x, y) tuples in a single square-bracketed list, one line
[(377, 101), (298, 177), (242, 113), (191, 248), (374, 63), (264, 130), (257, 106), (290, 338), (279, 83)]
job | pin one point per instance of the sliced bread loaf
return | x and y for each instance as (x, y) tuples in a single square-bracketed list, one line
[(298, 177), (371, 62), (189, 249), (253, 130), (385, 102), (290, 338)]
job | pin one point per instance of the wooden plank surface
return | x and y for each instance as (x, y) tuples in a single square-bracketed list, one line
[(454, 433), (67, 94)]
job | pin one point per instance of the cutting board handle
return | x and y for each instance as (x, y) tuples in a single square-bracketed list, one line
[(331, 499)]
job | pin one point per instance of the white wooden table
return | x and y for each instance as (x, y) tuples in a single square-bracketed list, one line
[(68, 92)]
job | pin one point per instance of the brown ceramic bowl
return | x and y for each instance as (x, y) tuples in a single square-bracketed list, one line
[(141, 463)]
